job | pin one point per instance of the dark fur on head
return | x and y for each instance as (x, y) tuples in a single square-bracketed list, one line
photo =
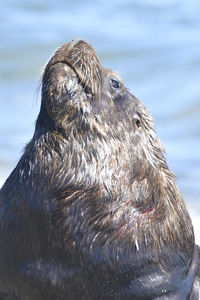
[(92, 200)]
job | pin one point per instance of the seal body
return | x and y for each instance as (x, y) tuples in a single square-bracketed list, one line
[(91, 210)]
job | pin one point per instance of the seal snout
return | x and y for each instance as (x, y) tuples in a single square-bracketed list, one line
[(76, 41), (81, 57)]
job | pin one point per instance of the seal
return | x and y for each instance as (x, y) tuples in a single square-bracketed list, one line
[(91, 210)]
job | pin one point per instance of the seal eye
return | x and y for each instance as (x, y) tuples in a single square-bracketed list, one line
[(137, 123), (88, 90), (114, 83)]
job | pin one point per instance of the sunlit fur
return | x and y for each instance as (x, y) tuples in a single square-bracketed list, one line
[(92, 210)]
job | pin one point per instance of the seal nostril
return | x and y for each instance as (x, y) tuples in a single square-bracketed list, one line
[(76, 41)]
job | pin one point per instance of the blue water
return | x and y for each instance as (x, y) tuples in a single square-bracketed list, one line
[(153, 44)]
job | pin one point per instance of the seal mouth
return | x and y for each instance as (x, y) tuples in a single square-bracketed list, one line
[(81, 57)]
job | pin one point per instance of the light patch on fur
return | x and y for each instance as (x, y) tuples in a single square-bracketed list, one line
[(136, 244), (100, 128)]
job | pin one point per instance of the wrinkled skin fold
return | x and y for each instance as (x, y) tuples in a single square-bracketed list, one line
[(91, 210)]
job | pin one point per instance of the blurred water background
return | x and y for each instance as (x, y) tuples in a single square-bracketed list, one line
[(153, 44)]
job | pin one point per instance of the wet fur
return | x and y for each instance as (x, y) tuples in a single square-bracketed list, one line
[(91, 210)]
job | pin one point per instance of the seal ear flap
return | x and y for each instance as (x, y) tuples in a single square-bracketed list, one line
[(80, 56)]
